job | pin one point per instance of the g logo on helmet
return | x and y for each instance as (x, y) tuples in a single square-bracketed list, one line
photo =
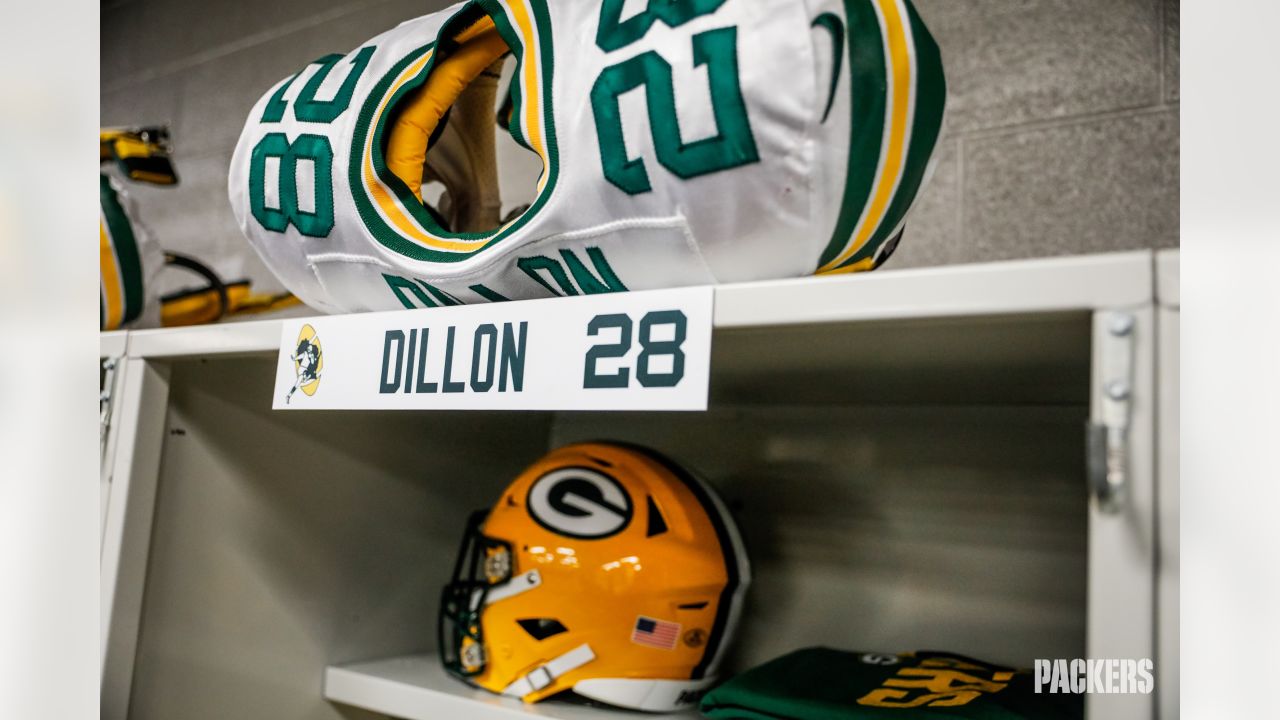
[(579, 502)]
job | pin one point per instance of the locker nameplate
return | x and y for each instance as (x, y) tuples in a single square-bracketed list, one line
[(618, 351)]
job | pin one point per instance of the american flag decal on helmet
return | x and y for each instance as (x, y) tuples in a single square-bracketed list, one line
[(655, 633)]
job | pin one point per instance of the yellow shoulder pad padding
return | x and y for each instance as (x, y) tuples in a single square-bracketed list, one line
[(479, 46), (141, 153)]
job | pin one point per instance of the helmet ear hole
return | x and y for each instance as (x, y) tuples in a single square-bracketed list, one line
[(657, 523), (542, 628)]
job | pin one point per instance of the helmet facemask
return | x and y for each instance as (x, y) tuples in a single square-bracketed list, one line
[(483, 563)]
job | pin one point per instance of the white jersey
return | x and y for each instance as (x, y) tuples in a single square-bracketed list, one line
[(688, 142)]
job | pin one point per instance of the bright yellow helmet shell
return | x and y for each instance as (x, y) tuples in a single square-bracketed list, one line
[(605, 569)]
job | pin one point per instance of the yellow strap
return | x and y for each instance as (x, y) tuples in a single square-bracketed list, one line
[(260, 303), (406, 151), (202, 307), (198, 308)]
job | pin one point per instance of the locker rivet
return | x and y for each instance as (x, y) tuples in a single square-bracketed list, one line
[(1121, 324)]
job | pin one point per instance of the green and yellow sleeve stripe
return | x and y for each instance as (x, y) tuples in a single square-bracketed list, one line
[(898, 95), (121, 298)]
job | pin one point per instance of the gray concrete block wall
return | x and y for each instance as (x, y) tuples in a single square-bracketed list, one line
[(1061, 137), (1171, 36)]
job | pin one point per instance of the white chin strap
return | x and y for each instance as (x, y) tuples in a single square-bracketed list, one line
[(516, 585), (543, 675)]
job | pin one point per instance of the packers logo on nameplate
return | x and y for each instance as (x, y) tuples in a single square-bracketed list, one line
[(580, 503), (308, 362)]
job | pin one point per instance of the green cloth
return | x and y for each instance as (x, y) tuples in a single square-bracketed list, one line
[(826, 684)]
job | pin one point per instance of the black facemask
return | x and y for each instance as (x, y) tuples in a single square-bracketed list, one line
[(483, 562)]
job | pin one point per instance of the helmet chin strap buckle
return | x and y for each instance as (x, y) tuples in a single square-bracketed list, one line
[(539, 678), (545, 674)]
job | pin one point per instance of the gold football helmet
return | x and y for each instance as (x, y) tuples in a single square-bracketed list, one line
[(605, 569)]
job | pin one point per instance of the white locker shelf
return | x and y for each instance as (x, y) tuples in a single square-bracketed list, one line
[(415, 687), (1006, 288), (221, 339), (112, 344)]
